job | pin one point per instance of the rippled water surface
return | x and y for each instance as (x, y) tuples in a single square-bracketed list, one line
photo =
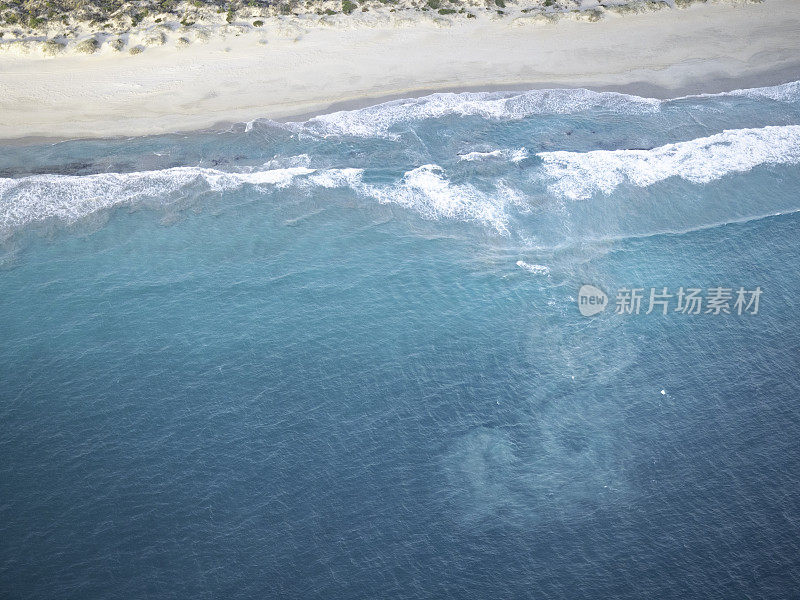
[(344, 358)]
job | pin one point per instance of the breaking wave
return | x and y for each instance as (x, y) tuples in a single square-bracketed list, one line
[(379, 119), (430, 193), (488, 195), (69, 198), (786, 92), (514, 156), (579, 175), (534, 269)]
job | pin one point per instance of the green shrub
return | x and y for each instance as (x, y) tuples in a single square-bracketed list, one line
[(500, 3), (230, 16), (89, 46), (52, 47), (447, 11), (348, 7), (258, 23), (434, 4)]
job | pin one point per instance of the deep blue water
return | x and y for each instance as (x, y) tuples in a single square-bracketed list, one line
[(344, 358)]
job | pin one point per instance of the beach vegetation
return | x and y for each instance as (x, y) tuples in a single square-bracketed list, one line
[(117, 16), (137, 18), (52, 47), (89, 46)]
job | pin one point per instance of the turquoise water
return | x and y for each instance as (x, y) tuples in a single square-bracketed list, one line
[(344, 358)]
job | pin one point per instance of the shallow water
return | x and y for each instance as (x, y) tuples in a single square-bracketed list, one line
[(344, 358)]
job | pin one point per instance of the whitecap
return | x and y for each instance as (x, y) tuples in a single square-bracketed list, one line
[(377, 120), (532, 268), (579, 175), (429, 192), (69, 198), (473, 156), (785, 92), (515, 155)]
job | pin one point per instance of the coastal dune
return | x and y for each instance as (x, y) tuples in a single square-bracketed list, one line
[(288, 69)]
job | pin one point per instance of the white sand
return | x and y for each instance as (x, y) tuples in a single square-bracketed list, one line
[(301, 71)]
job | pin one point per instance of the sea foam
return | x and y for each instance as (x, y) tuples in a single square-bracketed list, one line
[(514, 156), (429, 192), (376, 121), (68, 198), (579, 175)]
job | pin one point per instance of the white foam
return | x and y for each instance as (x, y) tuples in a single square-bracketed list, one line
[(535, 269), (785, 92), (69, 198), (430, 193), (579, 175), (335, 178), (377, 120), (518, 155), (473, 156), (515, 156)]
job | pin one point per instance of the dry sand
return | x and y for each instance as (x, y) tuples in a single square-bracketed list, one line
[(290, 68)]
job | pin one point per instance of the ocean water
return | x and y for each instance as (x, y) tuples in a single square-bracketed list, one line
[(345, 358)]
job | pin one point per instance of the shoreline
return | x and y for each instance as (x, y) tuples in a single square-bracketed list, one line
[(707, 48)]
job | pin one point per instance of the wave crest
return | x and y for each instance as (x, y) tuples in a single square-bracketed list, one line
[(69, 198), (376, 121), (579, 175), (427, 191)]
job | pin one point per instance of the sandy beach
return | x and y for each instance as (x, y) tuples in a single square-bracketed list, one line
[(292, 67)]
